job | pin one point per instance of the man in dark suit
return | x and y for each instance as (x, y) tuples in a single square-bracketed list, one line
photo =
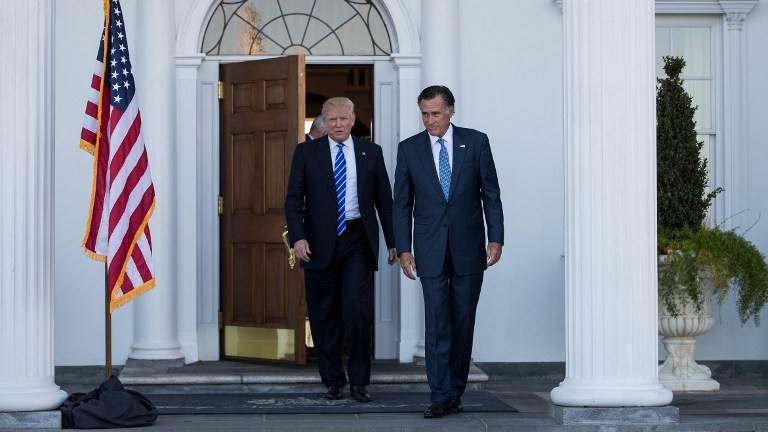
[(337, 185), (317, 129), (445, 182)]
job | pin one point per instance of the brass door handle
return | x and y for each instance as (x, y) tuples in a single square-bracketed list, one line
[(291, 254)]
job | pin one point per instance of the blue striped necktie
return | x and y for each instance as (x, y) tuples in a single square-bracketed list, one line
[(340, 176), (445, 168)]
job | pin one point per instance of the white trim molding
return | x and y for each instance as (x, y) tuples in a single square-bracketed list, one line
[(698, 6), (411, 343), (734, 112), (397, 16), (187, 270)]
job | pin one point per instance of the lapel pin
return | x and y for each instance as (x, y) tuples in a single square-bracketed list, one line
[(363, 153), (462, 145)]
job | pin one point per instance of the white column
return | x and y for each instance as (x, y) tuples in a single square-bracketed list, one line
[(734, 115), (611, 270), (186, 202), (155, 313), (411, 298), (26, 209), (439, 66), (440, 46)]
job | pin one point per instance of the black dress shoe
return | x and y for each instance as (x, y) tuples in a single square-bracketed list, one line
[(359, 393), (437, 410), (455, 405), (333, 393)]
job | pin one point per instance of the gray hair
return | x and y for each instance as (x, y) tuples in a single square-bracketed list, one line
[(318, 125)]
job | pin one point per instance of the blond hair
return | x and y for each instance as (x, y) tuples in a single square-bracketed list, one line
[(336, 103)]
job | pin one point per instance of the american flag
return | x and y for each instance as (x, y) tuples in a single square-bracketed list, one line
[(123, 196)]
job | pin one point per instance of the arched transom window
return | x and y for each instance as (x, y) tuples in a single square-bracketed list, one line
[(312, 27)]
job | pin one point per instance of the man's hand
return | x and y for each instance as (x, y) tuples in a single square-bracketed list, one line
[(301, 249), (392, 258), (408, 263), (493, 254)]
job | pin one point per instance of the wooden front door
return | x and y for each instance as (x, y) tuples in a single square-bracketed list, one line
[(262, 120)]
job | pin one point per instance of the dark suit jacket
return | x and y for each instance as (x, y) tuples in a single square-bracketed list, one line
[(419, 204), (310, 202)]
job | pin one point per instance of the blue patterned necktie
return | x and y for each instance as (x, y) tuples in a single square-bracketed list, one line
[(445, 168), (340, 176)]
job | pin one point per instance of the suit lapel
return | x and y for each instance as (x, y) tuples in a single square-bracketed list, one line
[(361, 163), (459, 152), (325, 165), (428, 161)]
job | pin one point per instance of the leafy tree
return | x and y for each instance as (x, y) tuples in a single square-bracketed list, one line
[(682, 174), (696, 252)]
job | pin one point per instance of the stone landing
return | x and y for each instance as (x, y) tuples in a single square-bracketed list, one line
[(170, 376), (614, 416), (13, 421)]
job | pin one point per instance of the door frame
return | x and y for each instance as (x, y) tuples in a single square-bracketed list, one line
[(386, 127)]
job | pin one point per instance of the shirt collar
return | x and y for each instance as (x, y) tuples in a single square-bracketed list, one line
[(447, 136), (332, 144)]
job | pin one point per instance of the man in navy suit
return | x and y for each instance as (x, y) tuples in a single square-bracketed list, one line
[(337, 185), (445, 182)]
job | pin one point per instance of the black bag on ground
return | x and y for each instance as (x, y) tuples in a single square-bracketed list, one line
[(109, 406)]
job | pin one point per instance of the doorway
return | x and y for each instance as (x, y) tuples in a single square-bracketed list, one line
[(353, 82), (396, 72), (262, 301)]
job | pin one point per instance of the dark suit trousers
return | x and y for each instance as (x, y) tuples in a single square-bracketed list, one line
[(450, 305), (340, 297)]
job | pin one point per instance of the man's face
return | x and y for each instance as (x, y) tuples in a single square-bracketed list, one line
[(436, 116), (339, 123)]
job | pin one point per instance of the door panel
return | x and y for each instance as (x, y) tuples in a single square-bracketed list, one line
[(262, 120)]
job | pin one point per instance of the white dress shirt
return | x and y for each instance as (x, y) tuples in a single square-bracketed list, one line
[(350, 200), (448, 138)]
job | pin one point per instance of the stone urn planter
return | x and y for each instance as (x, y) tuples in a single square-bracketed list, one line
[(697, 261), (680, 372)]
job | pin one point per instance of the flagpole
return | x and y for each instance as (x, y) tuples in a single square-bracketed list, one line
[(107, 328)]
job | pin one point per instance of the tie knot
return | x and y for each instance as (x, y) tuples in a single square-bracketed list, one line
[(340, 145), (441, 141)]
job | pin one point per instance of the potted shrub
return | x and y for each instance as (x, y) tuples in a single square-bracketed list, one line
[(695, 261)]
